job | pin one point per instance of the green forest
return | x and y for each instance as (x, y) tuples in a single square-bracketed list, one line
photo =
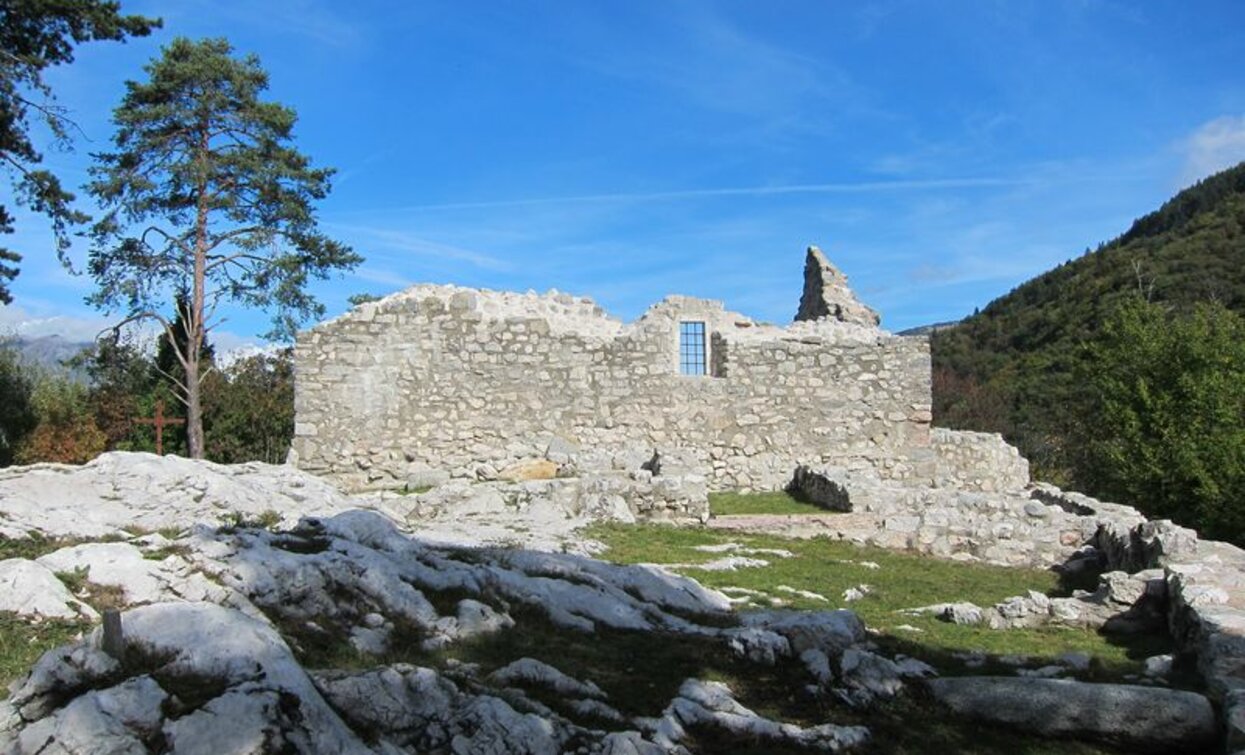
[(1121, 372), (105, 398)]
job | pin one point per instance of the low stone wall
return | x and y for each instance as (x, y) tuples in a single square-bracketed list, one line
[(1206, 613), (606, 496), (1044, 526), (977, 461), (1019, 528)]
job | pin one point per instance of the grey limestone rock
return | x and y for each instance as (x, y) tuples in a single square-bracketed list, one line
[(712, 704), (29, 588), (827, 295), (1142, 719)]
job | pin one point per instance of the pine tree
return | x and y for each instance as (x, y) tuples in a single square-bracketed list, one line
[(204, 194), (35, 36)]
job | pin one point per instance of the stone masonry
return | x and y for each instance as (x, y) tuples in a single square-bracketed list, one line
[(471, 383), (827, 295)]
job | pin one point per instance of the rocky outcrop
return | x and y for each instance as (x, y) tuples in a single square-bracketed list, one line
[(827, 295), (1123, 604), (222, 673), (232, 613), (139, 492), (1141, 719)]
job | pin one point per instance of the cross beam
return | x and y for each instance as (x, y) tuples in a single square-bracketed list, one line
[(159, 421)]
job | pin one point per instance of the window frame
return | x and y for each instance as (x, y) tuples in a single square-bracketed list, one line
[(693, 348)]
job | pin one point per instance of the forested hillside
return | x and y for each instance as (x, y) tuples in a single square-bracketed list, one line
[(1020, 365)]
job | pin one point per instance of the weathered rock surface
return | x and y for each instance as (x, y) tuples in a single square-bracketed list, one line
[(136, 491), (201, 677), (354, 579), (140, 578), (712, 705), (1142, 719), (31, 589), (827, 295), (209, 677), (1123, 604)]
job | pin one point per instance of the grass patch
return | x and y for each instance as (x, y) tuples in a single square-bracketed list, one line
[(181, 550), (780, 502), (97, 596), (32, 547), (235, 520), (900, 581), (21, 643)]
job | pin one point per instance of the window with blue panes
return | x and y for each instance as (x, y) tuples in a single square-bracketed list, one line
[(692, 348)]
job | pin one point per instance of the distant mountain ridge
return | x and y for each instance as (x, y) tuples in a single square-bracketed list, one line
[(924, 330), (47, 352), (1008, 368)]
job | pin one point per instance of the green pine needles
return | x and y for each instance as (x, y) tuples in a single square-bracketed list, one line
[(205, 195)]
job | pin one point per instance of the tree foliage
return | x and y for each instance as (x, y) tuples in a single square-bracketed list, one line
[(1024, 348), (66, 432), (204, 194), (1164, 421), (17, 414), (249, 410), (34, 36), (50, 415)]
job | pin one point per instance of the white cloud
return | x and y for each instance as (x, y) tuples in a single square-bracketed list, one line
[(1214, 146), (19, 321)]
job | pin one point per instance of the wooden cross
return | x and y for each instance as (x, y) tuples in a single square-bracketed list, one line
[(160, 421)]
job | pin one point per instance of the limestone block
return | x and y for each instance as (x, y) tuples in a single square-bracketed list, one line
[(1142, 719)]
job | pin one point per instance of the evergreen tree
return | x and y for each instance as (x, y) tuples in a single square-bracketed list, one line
[(34, 36), (1164, 415), (221, 204)]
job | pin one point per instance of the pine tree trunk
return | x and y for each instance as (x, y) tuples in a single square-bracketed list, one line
[(194, 323), (194, 410)]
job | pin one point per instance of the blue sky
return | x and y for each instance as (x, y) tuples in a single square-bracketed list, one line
[(940, 153)]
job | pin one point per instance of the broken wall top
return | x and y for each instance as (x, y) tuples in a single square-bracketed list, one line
[(829, 311), (827, 295)]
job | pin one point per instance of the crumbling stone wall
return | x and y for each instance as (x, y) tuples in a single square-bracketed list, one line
[(981, 462), (467, 381)]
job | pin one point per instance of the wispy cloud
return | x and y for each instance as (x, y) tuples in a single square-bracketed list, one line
[(369, 238), (767, 90), (1215, 145), (856, 187), (313, 19)]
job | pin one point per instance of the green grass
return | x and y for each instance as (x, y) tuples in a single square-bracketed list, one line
[(233, 521), (32, 547), (21, 643), (902, 581), (729, 504)]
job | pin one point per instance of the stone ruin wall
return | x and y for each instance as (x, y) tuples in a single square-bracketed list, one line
[(444, 378), (981, 462)]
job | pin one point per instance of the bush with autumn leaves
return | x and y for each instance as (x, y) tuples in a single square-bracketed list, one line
[(93, 404)]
